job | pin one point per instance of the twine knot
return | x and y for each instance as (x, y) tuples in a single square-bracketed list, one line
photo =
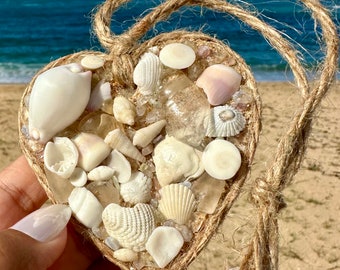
[(122, 68)]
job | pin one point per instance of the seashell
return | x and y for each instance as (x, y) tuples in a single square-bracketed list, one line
[(116, 139), (59, 96), (125, 255), (137, 190), (177, 203), (85, 206), (177, 56), (147, 73), (130, 226), (219, 83), (100, 93), (164, 244), (92, 62), (221, 159), (100, 173), (61, 156), (174, 161), (92, 150), (78, 177), (124, 111), (120, 165), (145, 135), (224, 121)]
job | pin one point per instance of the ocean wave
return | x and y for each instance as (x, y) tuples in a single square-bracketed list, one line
[(18, 73)]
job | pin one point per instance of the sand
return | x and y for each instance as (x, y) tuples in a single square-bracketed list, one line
[(309, 225)]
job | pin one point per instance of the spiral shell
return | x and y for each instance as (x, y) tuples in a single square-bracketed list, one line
[(177, 203), (131, 227)]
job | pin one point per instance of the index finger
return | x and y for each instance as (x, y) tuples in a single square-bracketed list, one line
[(20, 192)]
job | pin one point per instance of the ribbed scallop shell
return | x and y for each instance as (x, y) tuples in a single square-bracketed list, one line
[(131, 227), (137, 190), (224, 121), (177, 203), (147, 73)]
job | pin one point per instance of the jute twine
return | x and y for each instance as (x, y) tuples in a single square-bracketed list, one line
[(123, 53)]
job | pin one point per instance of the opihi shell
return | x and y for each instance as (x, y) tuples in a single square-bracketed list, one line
[(175, 161), (145, 135), (130, 226), (177, 203), (124, 111), (177, 56), (224, 121), (59, 96), (137, 190), (221, 159), (61, 156), (219, 82), (147, 73), (116, 139)]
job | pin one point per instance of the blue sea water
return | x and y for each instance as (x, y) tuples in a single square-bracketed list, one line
[(35, 32)]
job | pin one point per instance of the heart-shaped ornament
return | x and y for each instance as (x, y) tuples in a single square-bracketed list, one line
[(149, 145)]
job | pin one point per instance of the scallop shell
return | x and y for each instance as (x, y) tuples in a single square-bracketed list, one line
[(100, 93), (61, 156), (219, 82), (177, 56), (137, 190), (52, 105), (86, 207), (177, 203), (116, 139), (124, 111), (130, 226), (145, 135), (175, 161), (92, 150), (224, 121), (221, 159), (147, 73)]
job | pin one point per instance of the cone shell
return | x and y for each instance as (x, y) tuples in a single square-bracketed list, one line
[(137, 190), (130, 226), (224, 121), (219, 82), (124, 111), (52, 105), (177, 203), (147, 73), (145, 135), (116, 139)]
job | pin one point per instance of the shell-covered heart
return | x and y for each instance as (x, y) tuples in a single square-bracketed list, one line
[(182, 114)]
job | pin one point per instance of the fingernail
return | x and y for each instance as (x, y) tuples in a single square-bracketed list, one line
[(45, 223)]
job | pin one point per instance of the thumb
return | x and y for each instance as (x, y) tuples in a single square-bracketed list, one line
[(36, 241)]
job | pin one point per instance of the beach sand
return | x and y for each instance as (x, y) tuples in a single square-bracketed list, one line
[(309, 225)]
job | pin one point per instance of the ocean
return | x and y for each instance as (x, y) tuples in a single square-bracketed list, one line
[(35, 32)]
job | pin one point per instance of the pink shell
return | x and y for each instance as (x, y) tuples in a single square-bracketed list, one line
[(219, 83)]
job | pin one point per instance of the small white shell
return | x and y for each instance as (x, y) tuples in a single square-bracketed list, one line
[(78, 177), (177, 203), (92, 62), (59, 96), (124, 111), (130, 226), (61, 156), (177, 56), (221, 159), (92, 150), (100, 93), (147, 73), (174, 161), (85, 206), (101, 173), (120, 165), (137, 190), (125, 255), (219, 82), (145, 135), (116, 139), (164, 244), (224, 121)]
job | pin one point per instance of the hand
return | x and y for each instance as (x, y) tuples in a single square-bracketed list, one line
[(20, 195)]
